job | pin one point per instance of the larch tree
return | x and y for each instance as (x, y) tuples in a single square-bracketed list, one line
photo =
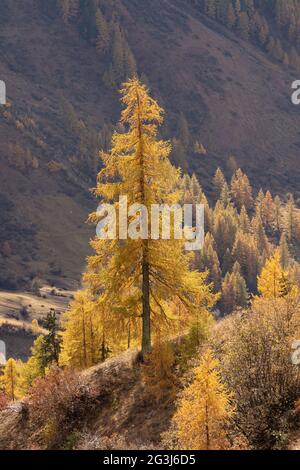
[(34, 367), (151, 273), (183, 130), (241, 190), (291, 219), (204, 409), (285, 257), (272, 281), (103, 33), (231, 16), (68, 9), (218, 182), (83, 336), (9, 380)]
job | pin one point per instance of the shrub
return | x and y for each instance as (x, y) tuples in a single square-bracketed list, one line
[(254, 349), (64, 397), (4, 400)]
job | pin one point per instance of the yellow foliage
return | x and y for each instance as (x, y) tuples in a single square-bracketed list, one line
[(273, 281), (204, 409), (149, 275), (10, 378), (157, 374), (83, 339)]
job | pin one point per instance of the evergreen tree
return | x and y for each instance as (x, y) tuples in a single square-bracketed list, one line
[(272, 281), (228, 294), (68, 9), (204, 409), (34, 367), (285, 257), (231, 16), (277, 208), (84, 333), (225, 197), (158, 270), (291, 221), (210, 8), (9, 380), (209, 261), (218, 182), (241, 190), (246, 253), (103, 36), (260, 235), (183, 130), (244, 221), (268, 210), (243, 25), (52, 340)]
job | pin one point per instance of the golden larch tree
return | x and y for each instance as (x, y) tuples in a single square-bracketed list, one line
[(151, 273), (9, 380), (272, 281), (83, 333), (204, 409)]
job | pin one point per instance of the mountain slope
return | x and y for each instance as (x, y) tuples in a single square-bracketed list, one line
[(236, 101)]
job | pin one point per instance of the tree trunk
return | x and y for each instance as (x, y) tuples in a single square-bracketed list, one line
[(207, 428), (146, 338), (146, 334)]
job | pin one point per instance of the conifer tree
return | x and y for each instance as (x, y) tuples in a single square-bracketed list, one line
[(291, 219), (243, 26), (183, 130), (158, 270), (260, 235), (234, 290), (118, 62), (278, 52), (218, 182), (68, 9), (272, 281), (227, 262), (231, 16), (224, 229), (209, 261), (225, 197), (285, 257), (34, 367), (241, 294), (271, 46), (210, 8), (84, 333), (241, 190), (246, 253), (103, 34), (277, 216), (244, 221), (294, 57), (204, 409), (9, 380), (52, 340), (228, 294), (268, 210)]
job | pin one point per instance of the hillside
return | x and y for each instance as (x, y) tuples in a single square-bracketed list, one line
[(234, 97), (117, 413)]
